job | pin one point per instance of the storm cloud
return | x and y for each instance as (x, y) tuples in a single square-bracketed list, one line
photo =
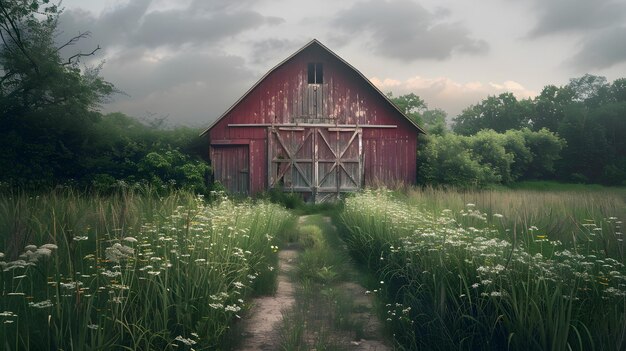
[(168, 62), (603, 50), (405, 30), (567, 16)]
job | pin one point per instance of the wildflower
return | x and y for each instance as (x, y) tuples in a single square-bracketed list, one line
[(43, 252), (118, 251), (130, 239), (80, 238), (238, 285), (232, 308), (216, 306), (30, 248), (497, 215), (185, 341), (41, 304), (92, 326)]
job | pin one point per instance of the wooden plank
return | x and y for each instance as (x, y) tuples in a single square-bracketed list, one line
[(291, 128), (312, 125), (231, 142)]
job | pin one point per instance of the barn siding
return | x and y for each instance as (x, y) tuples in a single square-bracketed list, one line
[(284, 96)]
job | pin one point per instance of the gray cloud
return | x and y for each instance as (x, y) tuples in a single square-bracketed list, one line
[(168, 62), (131, 25), (271, 50), (190, 88), (175, 28), (407, 31), (603, 50), (561, 16)]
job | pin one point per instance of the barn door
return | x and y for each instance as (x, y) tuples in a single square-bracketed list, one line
[(339, 161), (291, 159), (232, 168), (322, 162)]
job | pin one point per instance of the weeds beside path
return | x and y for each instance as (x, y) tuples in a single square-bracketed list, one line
[(261, 329), (319, 303)]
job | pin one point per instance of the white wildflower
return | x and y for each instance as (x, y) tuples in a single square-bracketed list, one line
[(185, 341), (41, 304)]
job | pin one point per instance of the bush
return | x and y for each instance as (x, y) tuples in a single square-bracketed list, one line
[(448, 160)]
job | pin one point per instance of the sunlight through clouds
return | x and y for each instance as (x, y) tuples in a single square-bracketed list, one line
[(453, 96)]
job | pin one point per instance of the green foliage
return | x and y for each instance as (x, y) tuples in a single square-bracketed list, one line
[(448, 160), (487, 157), (131, 271), (52, 131), (411, 105), (488, 146), (588, 113), (545, 148), (500, 113), (491, 271)]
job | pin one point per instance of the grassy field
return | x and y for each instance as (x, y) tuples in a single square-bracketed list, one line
[(500, 269), (133, 271), (495, 269)]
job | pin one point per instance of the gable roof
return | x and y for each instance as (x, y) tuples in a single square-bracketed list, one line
[(311, 43)]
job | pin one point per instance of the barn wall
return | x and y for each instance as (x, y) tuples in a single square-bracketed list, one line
[(389, 156), (284, 96)]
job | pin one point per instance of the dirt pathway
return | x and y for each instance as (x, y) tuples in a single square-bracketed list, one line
[(262, 327)]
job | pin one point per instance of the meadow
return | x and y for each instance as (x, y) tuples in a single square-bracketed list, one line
[(487, 270), (131, 271)]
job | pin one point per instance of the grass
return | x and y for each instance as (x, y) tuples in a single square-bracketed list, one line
[(546, 185), (131, 271), (324, 317), (495, 269)]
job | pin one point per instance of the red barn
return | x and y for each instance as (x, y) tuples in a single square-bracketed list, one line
[(315, 125)]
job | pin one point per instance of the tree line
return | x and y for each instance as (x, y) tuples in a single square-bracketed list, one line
[(52, 130), (571, 133)]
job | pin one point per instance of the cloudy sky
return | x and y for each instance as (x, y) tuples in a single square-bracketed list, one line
[(190, 60)]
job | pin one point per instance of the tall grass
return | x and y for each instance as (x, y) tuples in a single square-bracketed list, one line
[(132, 271), (495, 270)]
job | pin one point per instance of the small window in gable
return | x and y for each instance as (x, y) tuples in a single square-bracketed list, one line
[(315, 73)]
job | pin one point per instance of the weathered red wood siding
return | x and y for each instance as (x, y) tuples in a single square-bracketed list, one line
[(284, 96)]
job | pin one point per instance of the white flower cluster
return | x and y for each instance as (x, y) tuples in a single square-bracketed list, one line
[(118, 252)]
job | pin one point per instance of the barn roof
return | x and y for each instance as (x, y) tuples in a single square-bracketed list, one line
[(317, 43)]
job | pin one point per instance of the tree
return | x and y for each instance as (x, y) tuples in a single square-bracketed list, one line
[(435, 121), (447, 160), (618, 90), (550, 106), (590, 89), (46, 103), (545, 149), (488, 148), (500, 113), (411, 105)]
